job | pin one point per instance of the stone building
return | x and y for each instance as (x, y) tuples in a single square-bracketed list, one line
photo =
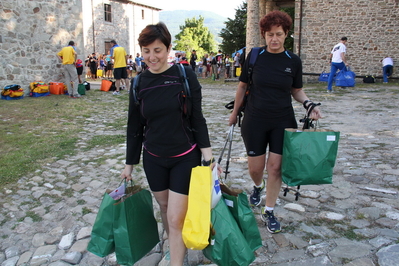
[(372, 28), (33, 32)]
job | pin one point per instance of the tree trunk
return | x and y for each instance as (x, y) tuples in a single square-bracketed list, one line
[(253, 33)]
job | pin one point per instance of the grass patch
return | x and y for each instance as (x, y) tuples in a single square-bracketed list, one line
[(86, 210), (81, 202), (35, 217), (39, 131), (101, 140), (35, 131)]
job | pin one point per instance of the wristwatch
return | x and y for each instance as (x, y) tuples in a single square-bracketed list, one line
[(208, 163)]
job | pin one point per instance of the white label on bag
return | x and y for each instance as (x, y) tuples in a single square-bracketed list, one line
[(330, 137), (229, 203)]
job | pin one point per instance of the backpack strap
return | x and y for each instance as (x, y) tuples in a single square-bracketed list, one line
[(252, 60), (134, 88), (184, 79), (186, 91)]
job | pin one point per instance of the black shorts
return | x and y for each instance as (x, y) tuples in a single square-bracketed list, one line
[(170, 173), (257, 135), (120, 73), (108, 67), (79, 70)]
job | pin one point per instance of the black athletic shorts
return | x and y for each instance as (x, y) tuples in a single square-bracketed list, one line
[(120, 73), (170, 173), (109, 66), (257, 135), (79, 70)]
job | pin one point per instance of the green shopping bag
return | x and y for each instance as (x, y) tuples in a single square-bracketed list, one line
[(309, 156), (228, 246), (82, 89), (135, 227), (246, 221), (102, 234)]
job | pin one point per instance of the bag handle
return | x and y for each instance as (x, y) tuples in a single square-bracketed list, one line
[(307, 122)]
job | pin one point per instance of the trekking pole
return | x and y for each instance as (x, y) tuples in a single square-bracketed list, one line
[(229, 139), (221, 154)]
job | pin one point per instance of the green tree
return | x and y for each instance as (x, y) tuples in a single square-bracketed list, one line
[(234, 35), (289, 41), (194, 35)]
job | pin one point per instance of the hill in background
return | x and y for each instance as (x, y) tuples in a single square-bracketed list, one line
[(175, 19)]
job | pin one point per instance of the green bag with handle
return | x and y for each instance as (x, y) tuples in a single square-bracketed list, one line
[(135, 227), (82, 89), (244, 216), (102, 235), (309, 156), (228, 246)]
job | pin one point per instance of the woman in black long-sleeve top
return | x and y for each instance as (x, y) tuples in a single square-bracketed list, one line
[(172, 141)]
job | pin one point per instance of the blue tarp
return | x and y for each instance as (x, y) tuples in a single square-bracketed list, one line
[(239, 51)]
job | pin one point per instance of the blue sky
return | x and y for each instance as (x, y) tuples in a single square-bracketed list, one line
[(223, 8)]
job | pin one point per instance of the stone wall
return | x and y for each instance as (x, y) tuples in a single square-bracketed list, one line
[(31, 34), (372, 28)]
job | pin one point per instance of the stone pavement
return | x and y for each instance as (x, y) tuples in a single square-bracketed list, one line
[(352, 222)]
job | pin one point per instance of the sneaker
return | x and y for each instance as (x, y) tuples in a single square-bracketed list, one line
[(116, 93), (255, 197), (273, 226)]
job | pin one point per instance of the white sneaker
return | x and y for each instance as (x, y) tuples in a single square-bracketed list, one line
[(116, 93)]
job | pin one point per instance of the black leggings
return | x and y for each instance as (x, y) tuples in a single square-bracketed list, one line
[(170, 173)]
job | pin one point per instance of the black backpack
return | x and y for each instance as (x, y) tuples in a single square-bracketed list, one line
[(369, 79), (186, 93)]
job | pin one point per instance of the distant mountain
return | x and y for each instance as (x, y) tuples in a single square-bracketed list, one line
[(175, 19)]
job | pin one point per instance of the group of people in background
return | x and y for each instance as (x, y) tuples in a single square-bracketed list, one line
[(212, 65), (102, 65)]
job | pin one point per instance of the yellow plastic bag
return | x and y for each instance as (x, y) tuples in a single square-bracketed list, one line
[(196, 226)]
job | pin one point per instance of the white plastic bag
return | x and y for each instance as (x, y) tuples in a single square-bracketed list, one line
[(216, 193)]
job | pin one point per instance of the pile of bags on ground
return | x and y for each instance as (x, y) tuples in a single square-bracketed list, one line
[(12, 92), (39, 89)]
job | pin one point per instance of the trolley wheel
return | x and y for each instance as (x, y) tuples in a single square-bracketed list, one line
[(286, 190), (297, 196)]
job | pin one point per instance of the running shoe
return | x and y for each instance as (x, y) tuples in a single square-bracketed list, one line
[(273, 226), (255, 197)]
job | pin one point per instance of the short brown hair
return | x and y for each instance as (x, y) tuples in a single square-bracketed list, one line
[(275, 18), (152, 32)]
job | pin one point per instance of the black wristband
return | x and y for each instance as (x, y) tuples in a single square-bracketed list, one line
[(305, 102), (208, 163)]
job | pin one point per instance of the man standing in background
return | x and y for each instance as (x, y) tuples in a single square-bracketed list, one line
[(193, 60), (387, 68), (120, 57), (337, 60), (68, 58)]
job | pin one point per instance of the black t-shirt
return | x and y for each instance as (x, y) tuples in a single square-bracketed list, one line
[(160, 125), (273, 77)]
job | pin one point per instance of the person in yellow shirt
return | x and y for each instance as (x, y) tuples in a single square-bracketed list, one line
[(120, 57), (68, 58)]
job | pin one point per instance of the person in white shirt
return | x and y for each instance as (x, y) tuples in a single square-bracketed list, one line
[(337, 60), (387, 68)]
